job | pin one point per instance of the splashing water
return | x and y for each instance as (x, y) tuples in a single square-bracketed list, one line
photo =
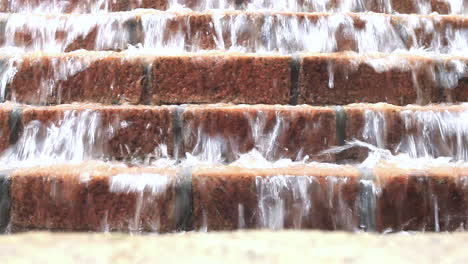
[(99, 6), (426, 134), (75, 138), (81, 135), (303, 202), (61, 33), (179, 32)]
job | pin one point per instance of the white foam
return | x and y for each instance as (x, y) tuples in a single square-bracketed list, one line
[(75, 138), (137, 183), (8, 70)]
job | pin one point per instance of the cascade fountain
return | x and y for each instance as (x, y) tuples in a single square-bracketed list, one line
[(163, 116)]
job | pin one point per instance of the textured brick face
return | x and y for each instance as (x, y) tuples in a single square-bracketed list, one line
[(122, 132), (425, 200), (223, 77), (71, 198), (231, 198), (429, 131), (276, 132), (459, 93), (223, 200), (101, 197), (388, 131), (54, 80), (139, 132), (5, 133), (335, 80), (209, 79)]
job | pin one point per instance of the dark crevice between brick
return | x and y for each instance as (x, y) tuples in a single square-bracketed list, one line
[(445, 88), (367, 200), (177, 124), (147, 93), (340, 115), (15, 124), (296, 61), (5, 203), (342, 157), (135, 30), (184, 200), (441, 93)]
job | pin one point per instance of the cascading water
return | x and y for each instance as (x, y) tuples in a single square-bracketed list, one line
[(221, 166), (385, 43), (148, 187), (296, 202), (426, 134), (99, 6), (74, 139), (250, 32), (284, 201)]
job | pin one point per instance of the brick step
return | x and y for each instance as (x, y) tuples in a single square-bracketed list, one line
[(220, 134), (389, 6), (238, 31), (213, 77), (102, 197)]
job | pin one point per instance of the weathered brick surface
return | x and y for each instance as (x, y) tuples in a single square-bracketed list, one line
[(140, 132), (85, 197), (388, 126), (5, 127), (325, 79), (276, 131), (233, 197), (379, 125), (344, 79), (114, 78), (98, 197), (224, 199), (79, 77), (223, 132), (124, 132), (221, 78), (235, 30), (430, 199)]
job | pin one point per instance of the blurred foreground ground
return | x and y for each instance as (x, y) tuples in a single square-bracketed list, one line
[(236, 247)]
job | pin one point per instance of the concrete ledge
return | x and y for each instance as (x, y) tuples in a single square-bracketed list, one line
[(236, 247)]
